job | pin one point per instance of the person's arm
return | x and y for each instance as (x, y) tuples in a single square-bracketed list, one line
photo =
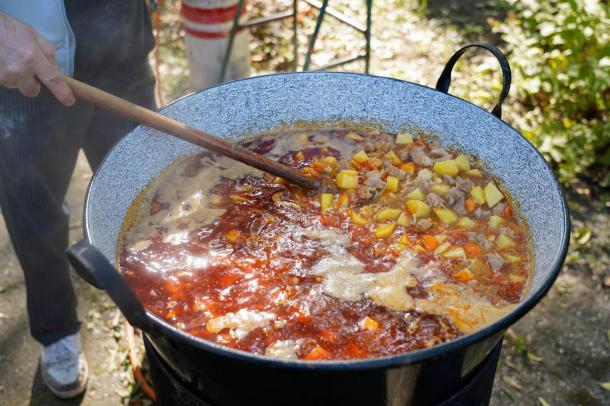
[(27, 60)]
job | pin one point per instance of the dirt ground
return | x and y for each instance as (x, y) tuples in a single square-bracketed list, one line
[(559, 354)]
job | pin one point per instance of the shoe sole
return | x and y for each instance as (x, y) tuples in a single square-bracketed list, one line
[(73, 392)]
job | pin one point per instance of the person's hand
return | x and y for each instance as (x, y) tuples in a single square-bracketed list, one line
[(27, 60)]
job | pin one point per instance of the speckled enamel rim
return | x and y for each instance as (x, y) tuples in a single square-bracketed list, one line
[(408, 358)]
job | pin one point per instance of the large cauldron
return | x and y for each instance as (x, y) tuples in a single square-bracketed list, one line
[(234, 110)]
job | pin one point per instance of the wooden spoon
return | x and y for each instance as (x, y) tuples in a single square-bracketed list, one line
[(141, 115)]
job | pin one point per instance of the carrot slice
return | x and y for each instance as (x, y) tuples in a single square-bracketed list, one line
[(429, 242), (472, 249), (463, 276), (471, 205), (317, 353), (508, 211)]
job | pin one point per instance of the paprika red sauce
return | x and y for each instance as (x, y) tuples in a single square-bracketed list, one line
[(410, 246)]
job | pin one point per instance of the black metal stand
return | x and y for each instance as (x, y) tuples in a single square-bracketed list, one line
[(171, 391), (324, 9)]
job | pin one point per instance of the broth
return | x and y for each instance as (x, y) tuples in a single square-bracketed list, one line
[(411, 246)]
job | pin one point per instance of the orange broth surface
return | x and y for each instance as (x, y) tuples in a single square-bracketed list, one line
[(409, 246)]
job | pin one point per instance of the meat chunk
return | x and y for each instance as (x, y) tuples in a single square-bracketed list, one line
[(373, 180), (483, 241), (420, 158), (463, 184), (509, 232), (460, 206), (450, 180), (496, 262), (403, 154), (453, 195), (435, 200), (481, 213), (498, 209), (423, 224), (394, 171), (440, 154)]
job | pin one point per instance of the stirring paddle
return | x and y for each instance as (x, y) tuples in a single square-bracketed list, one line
[(149, 118)]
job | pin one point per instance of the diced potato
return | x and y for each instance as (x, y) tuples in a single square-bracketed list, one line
[(478, 194), (474, 172), (512, 258), (462, 162), (367, 211), (369, 324), (399, 247), (515, 277), (391, 183), (388, 214), (361, 157), (440, 189), (409, 167), (329, 160), (403, 220), (495, 221), (393, 158), (467, 223), (446, 215), (440, 237), (326, 201), (446, 168), (492, 194), (416, 194), (442, 248), (404, 138), (418, 208), (233, 235), (276, 197), (354, 136), (357, 218), (455, 253), (503, 242), (385, 230), (418, 249), (404, 240), (347, 179)]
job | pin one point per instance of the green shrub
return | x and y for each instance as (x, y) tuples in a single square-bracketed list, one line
[(560, 54)]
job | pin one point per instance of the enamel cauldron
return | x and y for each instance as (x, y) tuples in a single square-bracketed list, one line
[(237, 109)]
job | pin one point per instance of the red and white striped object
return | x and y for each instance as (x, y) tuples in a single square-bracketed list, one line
[(207, 24)]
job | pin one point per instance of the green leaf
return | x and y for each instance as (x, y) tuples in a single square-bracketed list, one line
[(605, 385), (533, 357), (520, 345), (583, 235), (564, 288), (543, 402)]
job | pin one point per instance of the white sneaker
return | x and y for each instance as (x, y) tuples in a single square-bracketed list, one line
[(64, 367)]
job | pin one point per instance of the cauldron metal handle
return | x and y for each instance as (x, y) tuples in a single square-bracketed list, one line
[(93, 267), (444, 80)]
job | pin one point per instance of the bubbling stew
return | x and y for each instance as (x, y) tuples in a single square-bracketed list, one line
[(409, 246)]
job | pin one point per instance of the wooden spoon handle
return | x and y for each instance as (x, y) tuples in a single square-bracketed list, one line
[(152, 119)]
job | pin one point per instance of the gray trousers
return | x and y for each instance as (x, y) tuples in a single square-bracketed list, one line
[(39, 144)]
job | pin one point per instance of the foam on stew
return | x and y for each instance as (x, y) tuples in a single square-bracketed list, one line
[(421, 249)]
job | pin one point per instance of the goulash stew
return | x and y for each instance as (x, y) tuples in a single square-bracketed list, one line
[(410, 246)]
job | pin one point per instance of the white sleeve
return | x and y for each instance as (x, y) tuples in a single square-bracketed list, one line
[(48, 18)]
